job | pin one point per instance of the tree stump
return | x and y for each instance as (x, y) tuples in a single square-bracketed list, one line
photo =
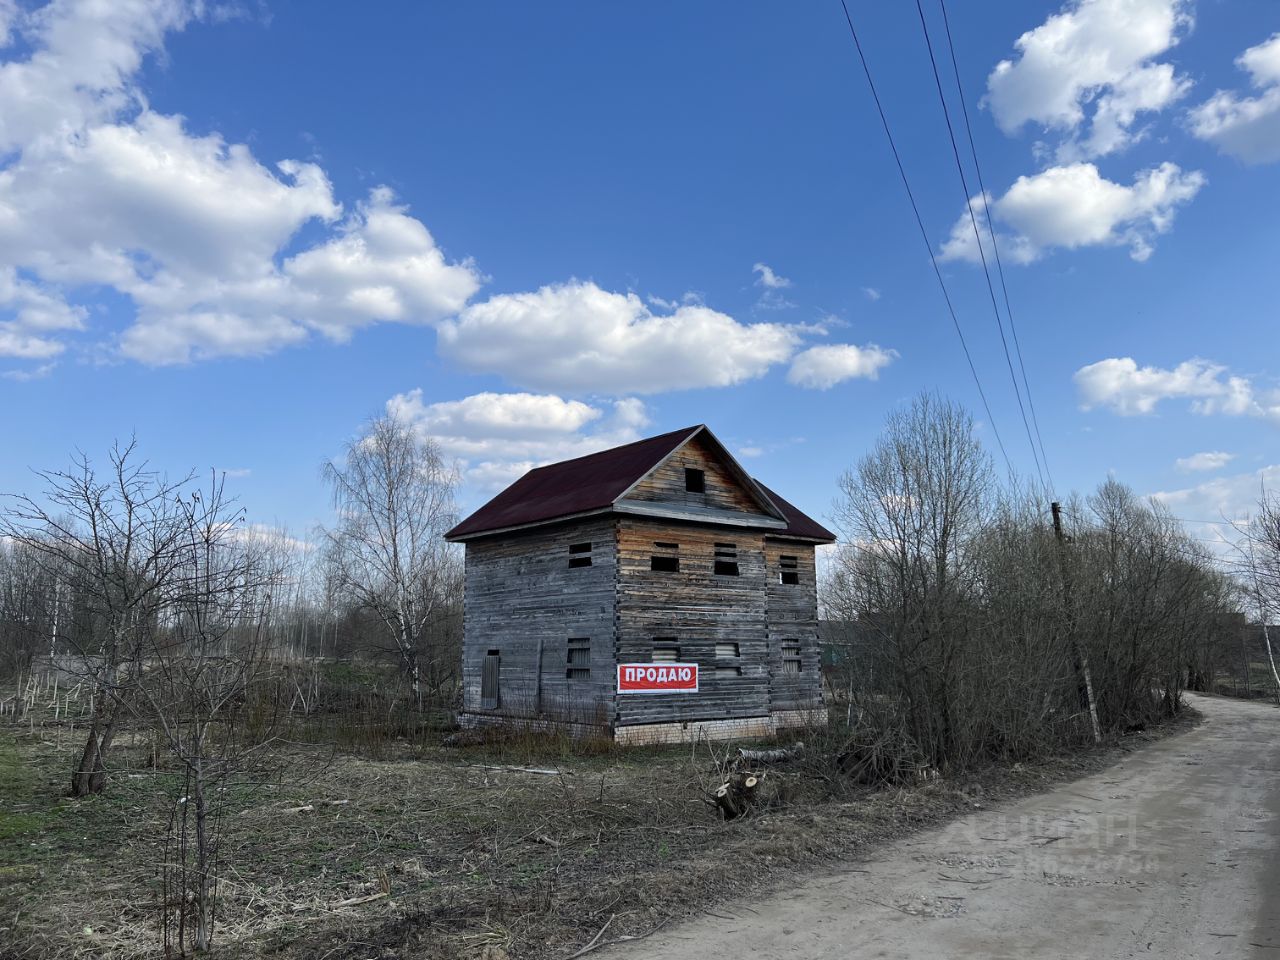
[(737, 795)]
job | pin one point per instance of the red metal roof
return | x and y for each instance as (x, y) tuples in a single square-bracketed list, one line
[(573, 486), (592, 483), (799, 524)]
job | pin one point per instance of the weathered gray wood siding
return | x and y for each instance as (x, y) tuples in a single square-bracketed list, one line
[(792, 612), (697, 608), (521, 591), (667, 483)]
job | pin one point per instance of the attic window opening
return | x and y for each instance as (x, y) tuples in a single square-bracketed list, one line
[(791, 662), (579, 555), (666, 560), (695, 481), (727, 649), (726, 561), (665, 650), (578, 658), (788, 573)]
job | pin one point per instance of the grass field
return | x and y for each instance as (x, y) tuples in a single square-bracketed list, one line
[(429, 852)]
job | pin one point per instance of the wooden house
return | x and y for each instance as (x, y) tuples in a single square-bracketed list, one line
[(654, 590)]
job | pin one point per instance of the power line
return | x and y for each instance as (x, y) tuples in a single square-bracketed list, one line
[(977, 235), (924, 233), (995, 248)]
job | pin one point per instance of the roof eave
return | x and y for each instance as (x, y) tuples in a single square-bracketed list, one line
[(513, 528)]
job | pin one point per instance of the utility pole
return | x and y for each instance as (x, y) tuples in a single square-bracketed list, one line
[(1077, 651)]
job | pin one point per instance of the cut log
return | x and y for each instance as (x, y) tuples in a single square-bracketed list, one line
[(776, 755)]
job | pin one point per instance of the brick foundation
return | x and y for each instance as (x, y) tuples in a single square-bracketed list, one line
[(646, 734)]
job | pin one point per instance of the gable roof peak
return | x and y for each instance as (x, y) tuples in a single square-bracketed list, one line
[(595, 482)]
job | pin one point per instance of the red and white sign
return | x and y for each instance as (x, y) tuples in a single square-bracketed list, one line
[(657, 678)]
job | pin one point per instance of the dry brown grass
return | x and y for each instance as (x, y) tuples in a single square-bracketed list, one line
[(432, 853)]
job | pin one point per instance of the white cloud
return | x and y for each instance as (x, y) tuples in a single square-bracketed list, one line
[(578, 338), (1120, 385), (500, 436), (36, 315), (772, 298), (1246, 127), (27, 374), (1210, 504), (97, 189), (1093, 55), (768, 279), (822, 367), (871, 293), (1204, 462), (1074, 206)]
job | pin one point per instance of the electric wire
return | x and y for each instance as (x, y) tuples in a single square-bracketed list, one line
[(977, 236), (924, 233), (995, 247)]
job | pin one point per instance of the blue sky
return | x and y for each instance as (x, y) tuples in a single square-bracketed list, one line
[(239, 230)]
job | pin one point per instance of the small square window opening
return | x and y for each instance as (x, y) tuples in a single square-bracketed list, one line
[(695, 481), (579, 555)]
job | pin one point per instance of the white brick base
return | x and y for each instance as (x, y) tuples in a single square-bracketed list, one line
[(644, 734), (744, 728)]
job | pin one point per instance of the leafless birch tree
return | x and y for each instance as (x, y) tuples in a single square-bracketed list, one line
[(394, 496)]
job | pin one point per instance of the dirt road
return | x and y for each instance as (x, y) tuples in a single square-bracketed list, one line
[(1174, 852)]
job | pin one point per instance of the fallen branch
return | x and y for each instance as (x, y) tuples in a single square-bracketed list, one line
[(356, 901), (594, 945), (594, 940)]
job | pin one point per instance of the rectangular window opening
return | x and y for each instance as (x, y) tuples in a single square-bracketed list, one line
[(791, 662), (726, 561), (665, 650), (726, 648), (695, 481), (664, 564), (579, 555), (578, 658), (788, 573)]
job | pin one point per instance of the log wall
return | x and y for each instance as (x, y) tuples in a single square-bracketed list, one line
[(521, 594), (697, 609), (792, 612)]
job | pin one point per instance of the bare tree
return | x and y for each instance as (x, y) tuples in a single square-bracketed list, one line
[(394, 496), (1262, 571), (208, 649), (911, 509), (116, 539), (968, 641)]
